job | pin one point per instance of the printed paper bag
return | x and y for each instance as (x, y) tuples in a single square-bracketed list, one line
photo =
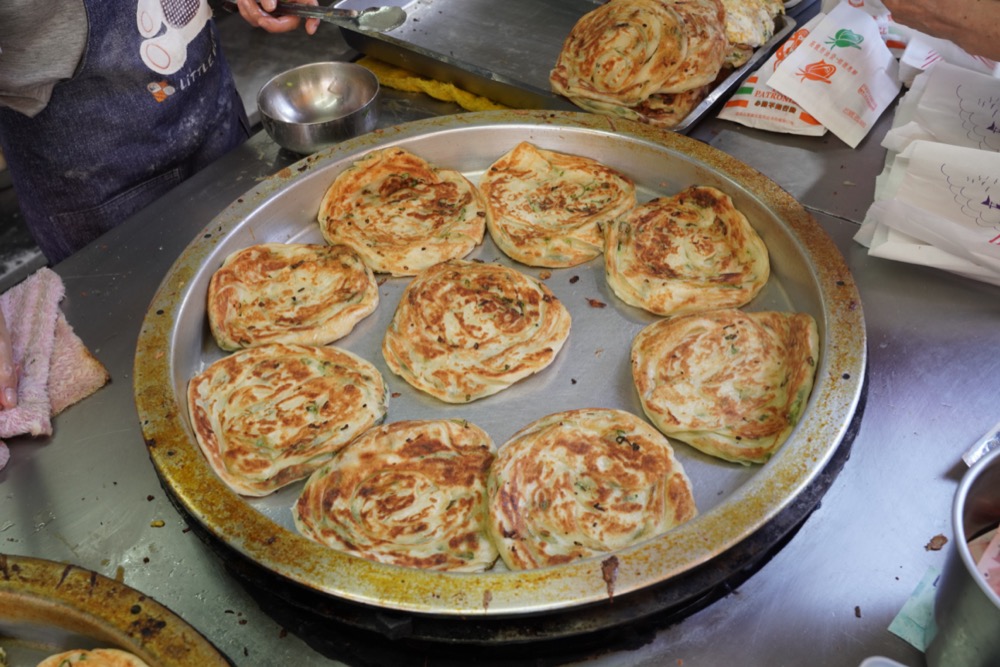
[(757, 105), (843, 74)]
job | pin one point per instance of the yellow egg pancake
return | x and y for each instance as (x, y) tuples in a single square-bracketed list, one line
[(749, 24), (410, 493), (269, 415), (544, 206), (689, 252), (401, 213), (584, 483), (729, 383), (464, 330), (289, 293)]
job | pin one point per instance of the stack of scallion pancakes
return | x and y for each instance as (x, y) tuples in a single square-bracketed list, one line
[(653, 61), (289, 405)]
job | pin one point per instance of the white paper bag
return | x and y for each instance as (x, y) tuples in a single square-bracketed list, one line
[(923, 52), (949, 104), (843, 74), (888, 243), (944, 196)]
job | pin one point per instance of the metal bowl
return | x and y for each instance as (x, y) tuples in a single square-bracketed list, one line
[(312, 107), (966, 609)]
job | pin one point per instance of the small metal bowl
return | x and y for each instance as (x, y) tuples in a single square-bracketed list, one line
[(311, 107)]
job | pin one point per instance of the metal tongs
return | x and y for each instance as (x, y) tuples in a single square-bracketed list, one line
[(373, 19)]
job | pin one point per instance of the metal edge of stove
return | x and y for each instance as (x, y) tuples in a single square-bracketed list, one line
[(523, 95), (47, 607), (836, 395)]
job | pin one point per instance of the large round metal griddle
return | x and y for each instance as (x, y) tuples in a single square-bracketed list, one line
[(735, 502)]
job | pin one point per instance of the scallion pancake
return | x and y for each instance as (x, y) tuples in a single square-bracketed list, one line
[(410, 493), (289, 293), (686, 253), (466, 330), (584, 483), (729, 383), (545, 206), (401, 213), (269, 415)]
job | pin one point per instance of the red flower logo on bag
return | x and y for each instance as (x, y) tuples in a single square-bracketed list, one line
[(819, 71)]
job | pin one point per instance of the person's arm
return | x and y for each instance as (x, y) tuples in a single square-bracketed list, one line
[(259, 16), (8, 370), (972, 24)]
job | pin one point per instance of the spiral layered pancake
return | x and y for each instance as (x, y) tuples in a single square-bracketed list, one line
[(731, 384), (401, 213), (690, 252), (704, 28), (544, 206), (289, 293), (620, 53), (411, 493), (584, 483), (98, 657), (464, 330), (270, 415), (666, 110)]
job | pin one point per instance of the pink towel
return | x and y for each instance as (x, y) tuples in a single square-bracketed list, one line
[(57, 370)]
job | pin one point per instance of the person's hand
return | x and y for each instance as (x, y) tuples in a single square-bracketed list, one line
[(8, 370), (259, 16), (972, 24)]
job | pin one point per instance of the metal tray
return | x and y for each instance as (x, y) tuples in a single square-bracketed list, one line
[(48, 607), (592, 370), (505, 52)]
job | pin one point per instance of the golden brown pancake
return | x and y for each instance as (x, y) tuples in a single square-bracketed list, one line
[(666, 110), (270, 415), (689, 252), (729, 383), (545, 207), (584, 483), (620, 53), (98, 657), (465, 330), (411, 493), (705, 30), (401, 213), (289, 293)]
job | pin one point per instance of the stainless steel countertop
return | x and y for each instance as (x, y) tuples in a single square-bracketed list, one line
[(89, 494)]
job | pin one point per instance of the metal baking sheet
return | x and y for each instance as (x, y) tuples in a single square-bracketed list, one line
[(48, 607), (505, 52), (592, 370)]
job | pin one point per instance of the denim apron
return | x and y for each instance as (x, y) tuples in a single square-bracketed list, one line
[(152, 102)]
